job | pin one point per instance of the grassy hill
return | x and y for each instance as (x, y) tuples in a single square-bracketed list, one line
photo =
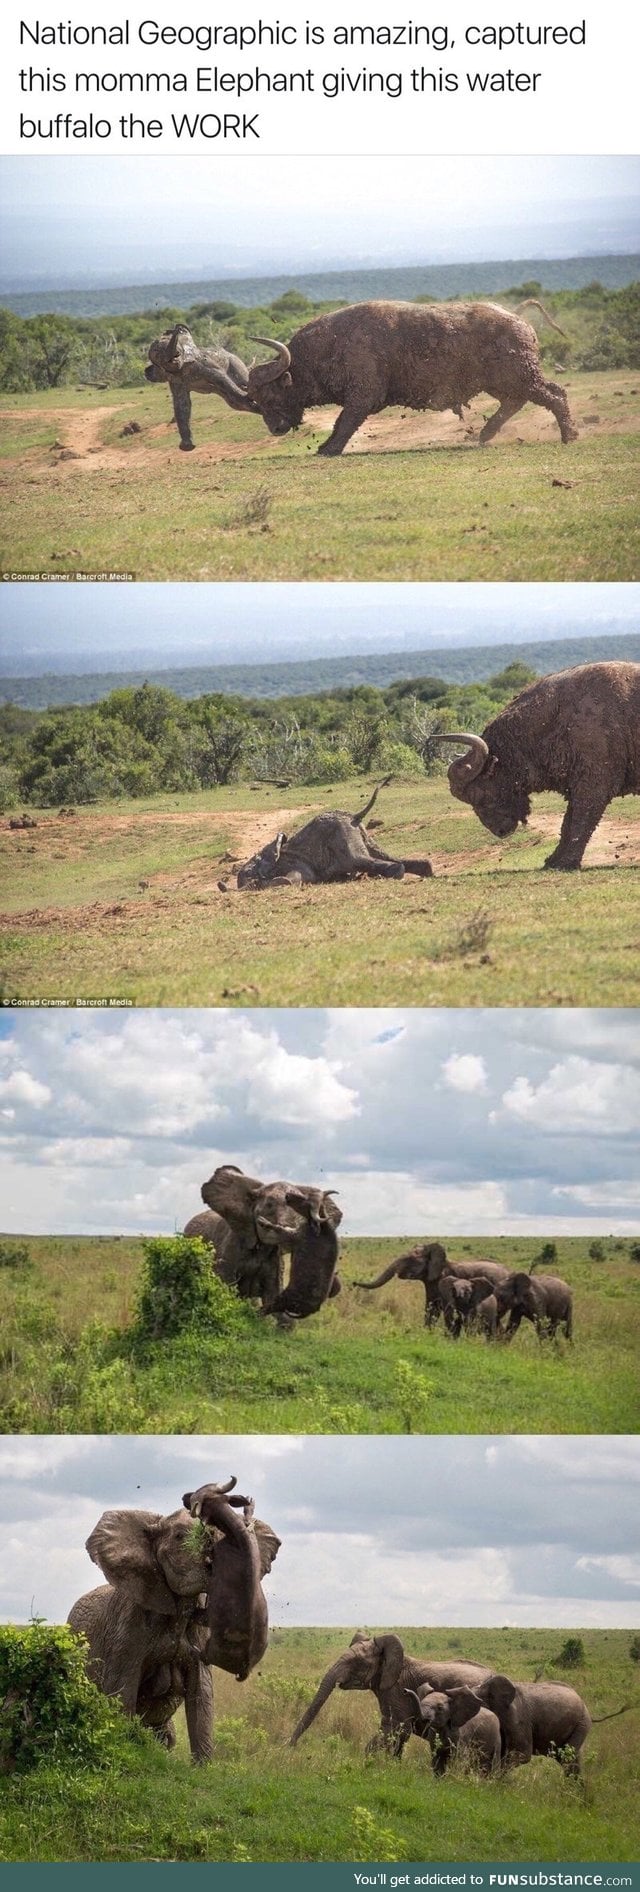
[(364, 1364), (260, 1800)]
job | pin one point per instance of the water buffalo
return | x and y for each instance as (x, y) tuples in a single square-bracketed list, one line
[(402, 354), (577, 732), (176, 358), (332, 846)]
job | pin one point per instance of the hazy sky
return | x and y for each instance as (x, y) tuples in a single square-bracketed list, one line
[(458, 1122), (375, 1531), (98, 626), (124, 218)]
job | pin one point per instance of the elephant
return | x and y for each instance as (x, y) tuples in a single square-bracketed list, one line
[(148, 1627), (251, 1225), (314, 1259), (243, 1550), (547, 1303), (176, 358), (455, 1722), (468, 1303), (379, 1663), (540, 1718), (331, 846), (428, 1262)]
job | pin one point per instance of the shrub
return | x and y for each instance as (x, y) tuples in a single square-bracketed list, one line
[(179, 1289), (15, 1255), (50, 1709), (548, 1255), (571, 1655), (634, 1649), (597, 1251)]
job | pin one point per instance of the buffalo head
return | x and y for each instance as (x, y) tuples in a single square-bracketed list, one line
[(272, 389), (498, 799)]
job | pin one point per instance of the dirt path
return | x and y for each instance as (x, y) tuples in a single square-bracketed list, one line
[(80, 446)]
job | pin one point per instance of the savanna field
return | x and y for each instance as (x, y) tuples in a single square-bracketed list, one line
[(259, 1800), (413, 498), (74, 1360), (122, 901)]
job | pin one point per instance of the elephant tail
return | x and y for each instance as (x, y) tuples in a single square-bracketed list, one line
[(356, 819), (596, 1720)]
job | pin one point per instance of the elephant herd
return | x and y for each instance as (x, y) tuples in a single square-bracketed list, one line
[(251, 1226), (184, 1594)]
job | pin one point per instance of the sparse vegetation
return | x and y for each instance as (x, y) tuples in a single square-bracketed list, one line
[(260, 1800), (73, 1360)]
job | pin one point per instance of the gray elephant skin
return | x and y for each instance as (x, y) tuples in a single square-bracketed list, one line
[(546, 1302), (428, 1263), (332, 846), (540, 1718), (176, 358), (252, 1225), (148, 1628), (468, 1303), (456, 1723), (379, 1663)]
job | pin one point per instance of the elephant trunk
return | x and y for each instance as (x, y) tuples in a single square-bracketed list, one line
[(334, 1678), (387, 1275)]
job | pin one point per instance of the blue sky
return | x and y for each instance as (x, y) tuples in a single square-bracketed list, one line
[(440, 1122), (100, 626), (375, 1531), (126, 219)]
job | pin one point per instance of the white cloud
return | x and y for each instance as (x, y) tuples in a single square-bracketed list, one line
[(576, 1095), (25, 1089), (465, 1073)]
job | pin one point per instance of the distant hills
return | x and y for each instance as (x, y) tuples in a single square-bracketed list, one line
[(314, 675)]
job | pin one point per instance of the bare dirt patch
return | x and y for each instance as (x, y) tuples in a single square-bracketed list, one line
[(613, 840)]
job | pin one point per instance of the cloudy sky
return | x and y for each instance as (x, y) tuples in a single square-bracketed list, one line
[(137, 217), (75, 627), (375, 1531), (458, 1122)]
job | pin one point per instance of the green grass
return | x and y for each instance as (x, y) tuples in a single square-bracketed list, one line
[(259, 1800), (364, 1364), (444, 512), (77, 921)]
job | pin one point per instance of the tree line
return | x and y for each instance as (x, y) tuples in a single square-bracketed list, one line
[(146, 740), (602, 330)]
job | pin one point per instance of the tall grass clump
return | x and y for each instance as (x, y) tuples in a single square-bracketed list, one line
[(50, 1711), (179, 1290)]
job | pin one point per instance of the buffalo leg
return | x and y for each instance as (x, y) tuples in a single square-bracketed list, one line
[(182, 409), (509, 406), (421, 867), (381, 870), (580, 822), (550, 394), (346, 425)]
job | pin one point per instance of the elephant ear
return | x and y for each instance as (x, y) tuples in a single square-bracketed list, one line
[(268, 1545), (123, 1545), (497, 1693), (463, 1704), (435, 1259), (392, 1653)]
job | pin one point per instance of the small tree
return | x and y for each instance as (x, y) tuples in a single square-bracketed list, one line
[(571, 1655), (597, 1251), (178, 1290), (49, 1710), (634, 1649), (548, 1255)]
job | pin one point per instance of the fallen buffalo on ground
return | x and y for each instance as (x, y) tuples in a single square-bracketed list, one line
[(577, 733), (402, 354), (176, 358), (332, 846)]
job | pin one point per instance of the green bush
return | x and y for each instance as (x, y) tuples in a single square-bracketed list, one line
[(15, 1255), (634, 1649), (50, 1711), (179, 1289), (571, 1655)]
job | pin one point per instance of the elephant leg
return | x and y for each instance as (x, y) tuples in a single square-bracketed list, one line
[(198, 1704), (509, 406), (166, 1735), (182, 410), (121, 1675), (346, 425), (584, 811), (514, 1322)]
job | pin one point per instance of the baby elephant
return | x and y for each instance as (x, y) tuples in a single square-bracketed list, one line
[(455, 1722), (468, 1303)]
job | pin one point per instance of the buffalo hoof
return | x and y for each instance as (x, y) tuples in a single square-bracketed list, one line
[(328, 451), (187, 446), (560, 866)]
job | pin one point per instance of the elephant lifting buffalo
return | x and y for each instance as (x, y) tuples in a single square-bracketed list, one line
[(177, 1600), (252, 1226)]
